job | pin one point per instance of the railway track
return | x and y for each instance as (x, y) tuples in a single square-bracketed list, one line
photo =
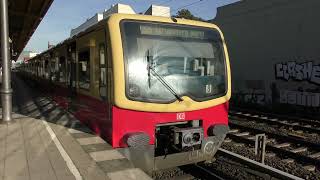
[(308, 126), (301, 151), (289, 147), (314, 121), (229, 166), (259, 169), (242, 167), (245, 168)]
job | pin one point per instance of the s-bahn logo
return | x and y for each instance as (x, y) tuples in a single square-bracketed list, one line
[(181, 116)]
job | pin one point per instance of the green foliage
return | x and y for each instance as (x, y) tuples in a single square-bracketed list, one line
[(186, 14)]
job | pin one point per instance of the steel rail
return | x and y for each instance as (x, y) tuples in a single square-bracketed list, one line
[(285, 138), (280, 116), (277, 122), (298, 157), (209, 172), (293, 140), (259, 166)]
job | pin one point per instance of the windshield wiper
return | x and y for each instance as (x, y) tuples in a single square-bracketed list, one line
[(159, 77)]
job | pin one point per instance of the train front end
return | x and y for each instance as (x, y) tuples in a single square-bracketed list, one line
[(171, 90)]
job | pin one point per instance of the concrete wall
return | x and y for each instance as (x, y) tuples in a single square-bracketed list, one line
[(274, 49)]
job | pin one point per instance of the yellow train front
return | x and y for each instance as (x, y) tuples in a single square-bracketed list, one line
[(156, 88), (171, 89)]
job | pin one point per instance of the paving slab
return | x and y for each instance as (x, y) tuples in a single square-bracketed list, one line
[(46, 142), (129, 174)]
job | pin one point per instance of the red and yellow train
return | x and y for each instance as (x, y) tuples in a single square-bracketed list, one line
[(156, 88)]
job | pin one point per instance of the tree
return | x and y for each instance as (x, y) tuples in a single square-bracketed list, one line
[(186, 14)]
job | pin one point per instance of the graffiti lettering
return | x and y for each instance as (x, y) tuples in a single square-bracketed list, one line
[(304, 71), (255, 98), (300, 98), (249, 98)]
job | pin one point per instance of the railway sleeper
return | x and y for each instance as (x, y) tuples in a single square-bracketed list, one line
[(233, 131), (311, 168), (299, 150), (316, 155), (242, 134), (288, 160), (279, 151), (282, 145), (287, 138)]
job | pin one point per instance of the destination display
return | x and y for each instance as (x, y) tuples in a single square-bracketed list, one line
[(171, 32)]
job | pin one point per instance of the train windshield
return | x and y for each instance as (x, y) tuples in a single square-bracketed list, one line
[(164, 62)]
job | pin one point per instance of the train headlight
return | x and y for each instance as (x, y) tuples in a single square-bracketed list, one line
[(187, 138)]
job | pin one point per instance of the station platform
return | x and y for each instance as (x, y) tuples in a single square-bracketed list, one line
[(46, 142)]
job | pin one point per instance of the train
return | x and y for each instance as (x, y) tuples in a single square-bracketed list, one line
[(156, 88)]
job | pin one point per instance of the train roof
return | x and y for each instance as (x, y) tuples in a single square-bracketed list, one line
[(145, 17)]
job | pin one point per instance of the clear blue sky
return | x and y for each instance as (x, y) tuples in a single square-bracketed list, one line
[(64, 15)]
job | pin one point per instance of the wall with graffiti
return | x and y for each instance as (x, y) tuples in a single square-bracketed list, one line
[(304, 80), (306, 71), (293, 86), (274, 54)]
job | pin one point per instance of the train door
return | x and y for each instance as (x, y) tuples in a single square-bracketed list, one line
[(103, 71), (71, 75)]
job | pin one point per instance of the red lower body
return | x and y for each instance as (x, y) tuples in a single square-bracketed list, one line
[(115, 123)]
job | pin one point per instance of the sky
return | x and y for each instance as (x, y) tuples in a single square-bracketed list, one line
[(63, 15)]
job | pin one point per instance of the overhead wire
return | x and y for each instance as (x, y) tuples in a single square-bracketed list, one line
[(165, 2), (184, 6)]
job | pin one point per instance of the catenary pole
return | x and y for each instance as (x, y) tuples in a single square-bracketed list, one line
[(6, 91)]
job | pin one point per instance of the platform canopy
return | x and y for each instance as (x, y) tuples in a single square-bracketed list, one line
[(24, 18)]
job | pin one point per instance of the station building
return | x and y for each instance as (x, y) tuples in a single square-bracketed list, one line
[(274, 52)]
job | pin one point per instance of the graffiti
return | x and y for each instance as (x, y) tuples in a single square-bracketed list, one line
[(300, 98), (254, 98), (249, 98), (307, 71)]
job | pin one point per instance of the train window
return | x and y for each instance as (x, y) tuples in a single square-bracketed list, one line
[(43, 69), (84, 69), (53, 69), (46, 67), (190, 60), (68, 73), (62, 69), (103, 72), (38, 69), (102, 54)]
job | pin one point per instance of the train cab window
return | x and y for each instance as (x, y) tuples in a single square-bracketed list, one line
[(103, 72), (84, 69), (190, 60)]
